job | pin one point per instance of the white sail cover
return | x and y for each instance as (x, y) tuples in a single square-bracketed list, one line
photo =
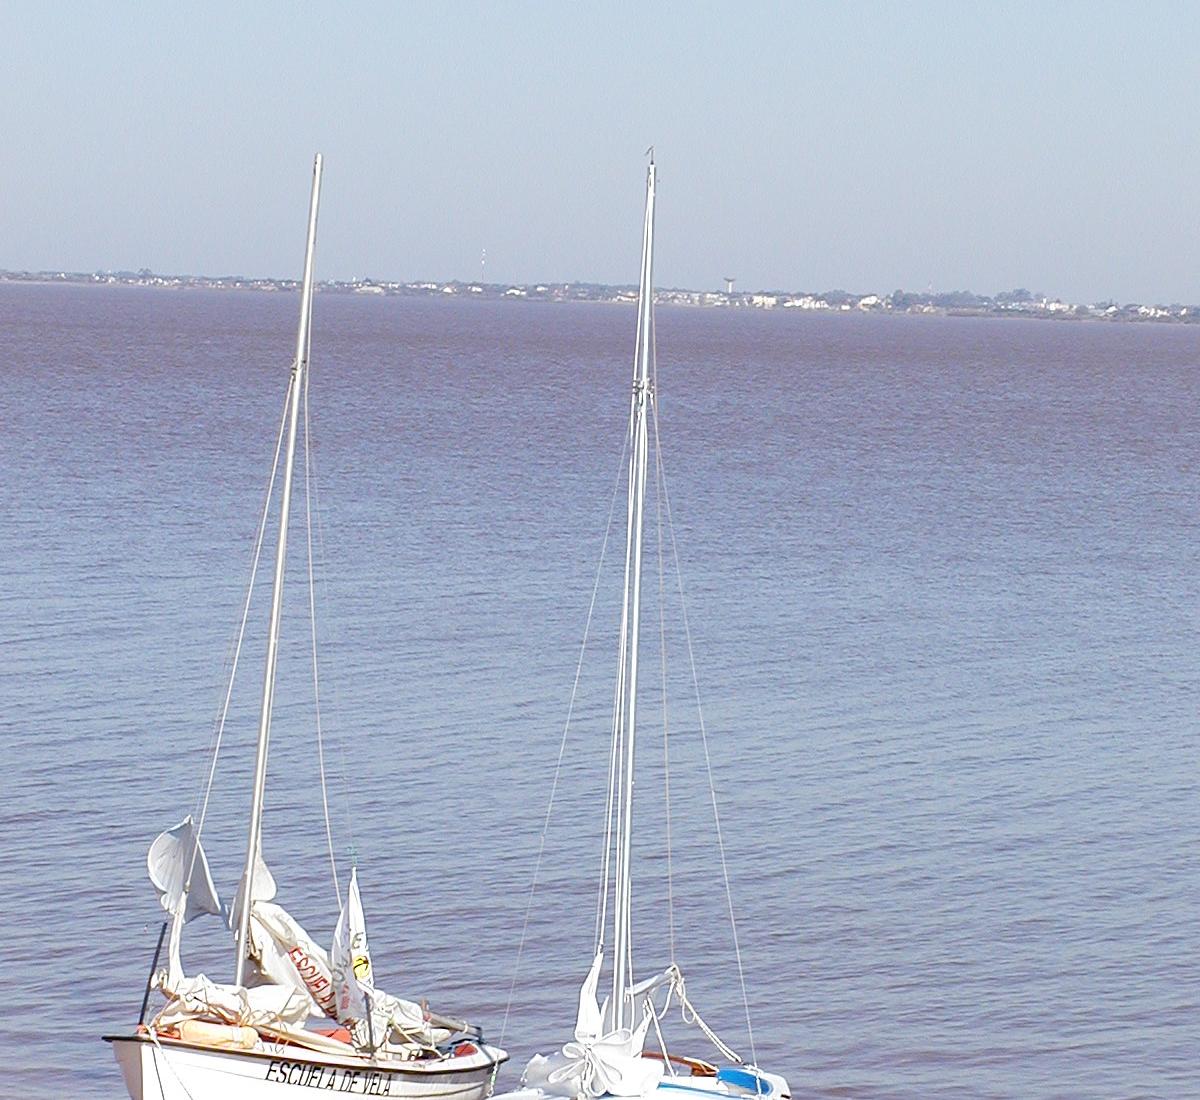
[(595, 1063), (267, 1007)]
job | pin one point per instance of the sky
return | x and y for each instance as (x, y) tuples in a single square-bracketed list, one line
[(801, 146)]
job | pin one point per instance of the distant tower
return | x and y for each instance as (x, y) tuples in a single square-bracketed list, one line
[(729, 281), (482, 263)]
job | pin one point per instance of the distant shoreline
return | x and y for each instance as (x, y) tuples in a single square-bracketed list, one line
[(1016, 303)]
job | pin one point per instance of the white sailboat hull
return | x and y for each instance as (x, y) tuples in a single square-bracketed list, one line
[(171, 1070), (768, 1086)]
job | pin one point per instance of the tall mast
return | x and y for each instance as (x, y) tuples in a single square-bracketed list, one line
[(622, 1013), (296, 387)]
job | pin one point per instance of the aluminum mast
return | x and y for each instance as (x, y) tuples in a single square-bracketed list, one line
[(622, 1013), (296, 385)]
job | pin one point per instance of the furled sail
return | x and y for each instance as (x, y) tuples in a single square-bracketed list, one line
[(285, 954), (351, 958), (373, 1017), (595, 1063), (268, 1007)]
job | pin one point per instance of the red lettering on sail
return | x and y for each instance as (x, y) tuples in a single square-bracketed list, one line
[(313, 975)]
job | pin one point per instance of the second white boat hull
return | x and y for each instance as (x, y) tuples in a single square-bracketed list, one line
[(734, 1082)]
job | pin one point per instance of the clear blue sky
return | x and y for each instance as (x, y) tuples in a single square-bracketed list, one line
[(812, 146)]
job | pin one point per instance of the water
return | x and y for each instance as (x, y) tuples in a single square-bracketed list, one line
[(941, 577)]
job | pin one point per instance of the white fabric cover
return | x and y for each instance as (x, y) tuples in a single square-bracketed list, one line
[(595, 1063), (274, 1007), (395, 1020)]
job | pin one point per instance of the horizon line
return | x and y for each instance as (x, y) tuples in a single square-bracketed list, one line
[(1016, 294)]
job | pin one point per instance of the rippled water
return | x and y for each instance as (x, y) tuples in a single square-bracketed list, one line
[(942, 581)]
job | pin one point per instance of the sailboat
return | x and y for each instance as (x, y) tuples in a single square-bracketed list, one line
[(251, 1038), (618, 1048)]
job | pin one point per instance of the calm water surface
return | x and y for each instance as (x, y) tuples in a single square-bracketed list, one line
[(942, 581)]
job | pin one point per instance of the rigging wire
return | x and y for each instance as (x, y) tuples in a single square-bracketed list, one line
[(712, 790), (312, 619), (617, 748), (610, 812), (332, 639), (232, 663), (659, 488), (562, 748), (662, 649), (310, 459), (618, 794)]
